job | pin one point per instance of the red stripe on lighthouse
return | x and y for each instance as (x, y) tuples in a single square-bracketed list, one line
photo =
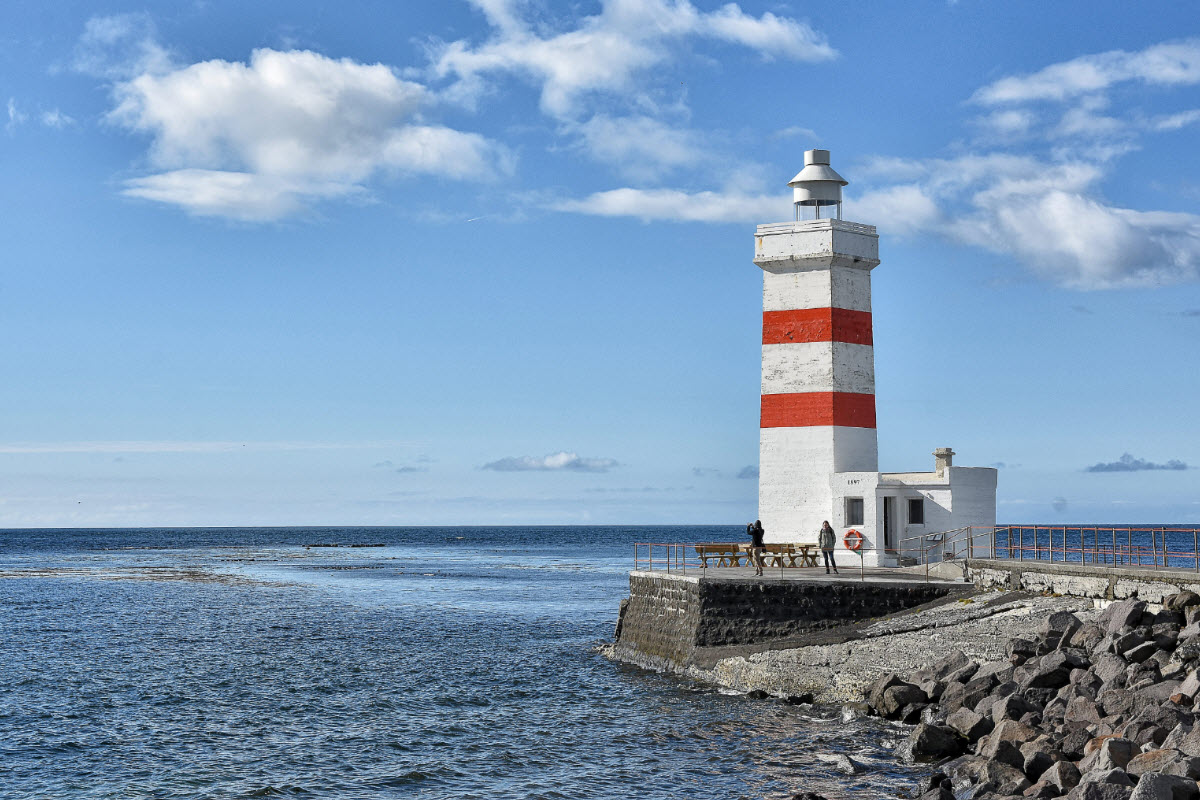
[(817, 325), (808, 409)]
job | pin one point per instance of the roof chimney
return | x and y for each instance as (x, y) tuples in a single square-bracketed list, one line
[(942, 457)]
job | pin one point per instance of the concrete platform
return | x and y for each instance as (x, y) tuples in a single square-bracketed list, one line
[(939, 573)]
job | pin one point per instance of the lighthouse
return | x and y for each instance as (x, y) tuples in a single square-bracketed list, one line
[(818, 446)]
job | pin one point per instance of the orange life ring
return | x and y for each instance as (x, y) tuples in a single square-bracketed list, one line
[(853, 539)]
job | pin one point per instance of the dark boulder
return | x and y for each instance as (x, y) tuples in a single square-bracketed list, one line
[(930, 742), (1121, 614), (1154, 786)]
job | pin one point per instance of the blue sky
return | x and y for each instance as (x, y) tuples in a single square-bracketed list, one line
[(488, 262)]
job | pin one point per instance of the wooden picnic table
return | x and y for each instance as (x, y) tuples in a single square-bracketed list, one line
[(732, 554)]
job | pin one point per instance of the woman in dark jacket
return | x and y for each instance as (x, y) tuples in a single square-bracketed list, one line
[(756, 532), (827, 540)]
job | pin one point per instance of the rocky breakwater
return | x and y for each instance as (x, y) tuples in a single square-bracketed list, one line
[(1103, 710)]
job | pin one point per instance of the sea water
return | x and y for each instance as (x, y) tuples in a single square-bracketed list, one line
[(447, 663)]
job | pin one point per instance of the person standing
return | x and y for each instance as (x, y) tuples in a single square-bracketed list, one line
[(756, 533), (827, 540)]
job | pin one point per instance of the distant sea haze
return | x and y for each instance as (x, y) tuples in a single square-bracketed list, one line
[(447, 663)]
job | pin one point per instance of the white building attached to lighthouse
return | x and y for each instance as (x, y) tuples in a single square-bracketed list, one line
[(818, 449)]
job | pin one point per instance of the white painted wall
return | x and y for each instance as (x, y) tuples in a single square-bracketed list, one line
[(818, 367), (794, 467)]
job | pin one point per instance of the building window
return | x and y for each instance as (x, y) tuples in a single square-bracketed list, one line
[(916, 511), (854, 511)]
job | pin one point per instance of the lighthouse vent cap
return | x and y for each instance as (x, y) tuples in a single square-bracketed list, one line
[(817, 184)]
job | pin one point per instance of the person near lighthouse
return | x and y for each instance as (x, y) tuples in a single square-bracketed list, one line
[(827, 540), (756, 533)]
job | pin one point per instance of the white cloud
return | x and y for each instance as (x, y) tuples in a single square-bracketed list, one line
[(120, 46), (640, 147), (680, 206), (1045, 215), (56, 119), (261, 140), (562, 460), (605, 52), (1007, 123), (15, 116), (1173, 122), (1165, 64)]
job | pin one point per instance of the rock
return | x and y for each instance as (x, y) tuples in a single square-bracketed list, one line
[(807, 796), (1073, 742), (1100, 791), (1114, 752), (841, 763), (1110, 669), (800, 699), (1001, 751), (1001, 671), (894, 698), (1190, 685), (757, 694), (1121, 613), (1142, 652), (1082, 709), (967, 695), (874, 693), (1038, 759), (937, 780), (928, 742), (1011, 707), (1048, 672), (969, 724), (1115, 775), (1167, 616), (1184, 738), (1005, 779), (1167, 762), (1020, 650), (1154, 786), (951, 663), (1189, 650), (1087, 636), (1059, 626), (1012, 731), (1117, 702), (1062, 774), (1181, 601), (1042, 789), (1157, 693)]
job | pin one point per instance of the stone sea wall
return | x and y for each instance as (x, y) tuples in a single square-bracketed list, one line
[(669, 620), (1079, 580)]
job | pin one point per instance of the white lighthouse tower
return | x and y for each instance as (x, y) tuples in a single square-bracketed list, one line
[(818, 363), (818, 448)]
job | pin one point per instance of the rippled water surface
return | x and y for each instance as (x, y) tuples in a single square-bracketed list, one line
[(448, 663)]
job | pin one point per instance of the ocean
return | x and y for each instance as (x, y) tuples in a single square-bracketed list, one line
[(446, 663)]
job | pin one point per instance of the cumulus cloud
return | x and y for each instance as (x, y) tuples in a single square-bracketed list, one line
[(679, 206), (1127, 463), (1165, 64), (264, 139), (746, 473), (561, 461), (1044, 213), (640, 147), (612, 50)]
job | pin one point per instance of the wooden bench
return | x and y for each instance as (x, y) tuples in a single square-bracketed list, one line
[(725, 555)]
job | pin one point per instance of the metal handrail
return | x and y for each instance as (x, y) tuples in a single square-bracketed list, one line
[(681, 557), (1048, 543)]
